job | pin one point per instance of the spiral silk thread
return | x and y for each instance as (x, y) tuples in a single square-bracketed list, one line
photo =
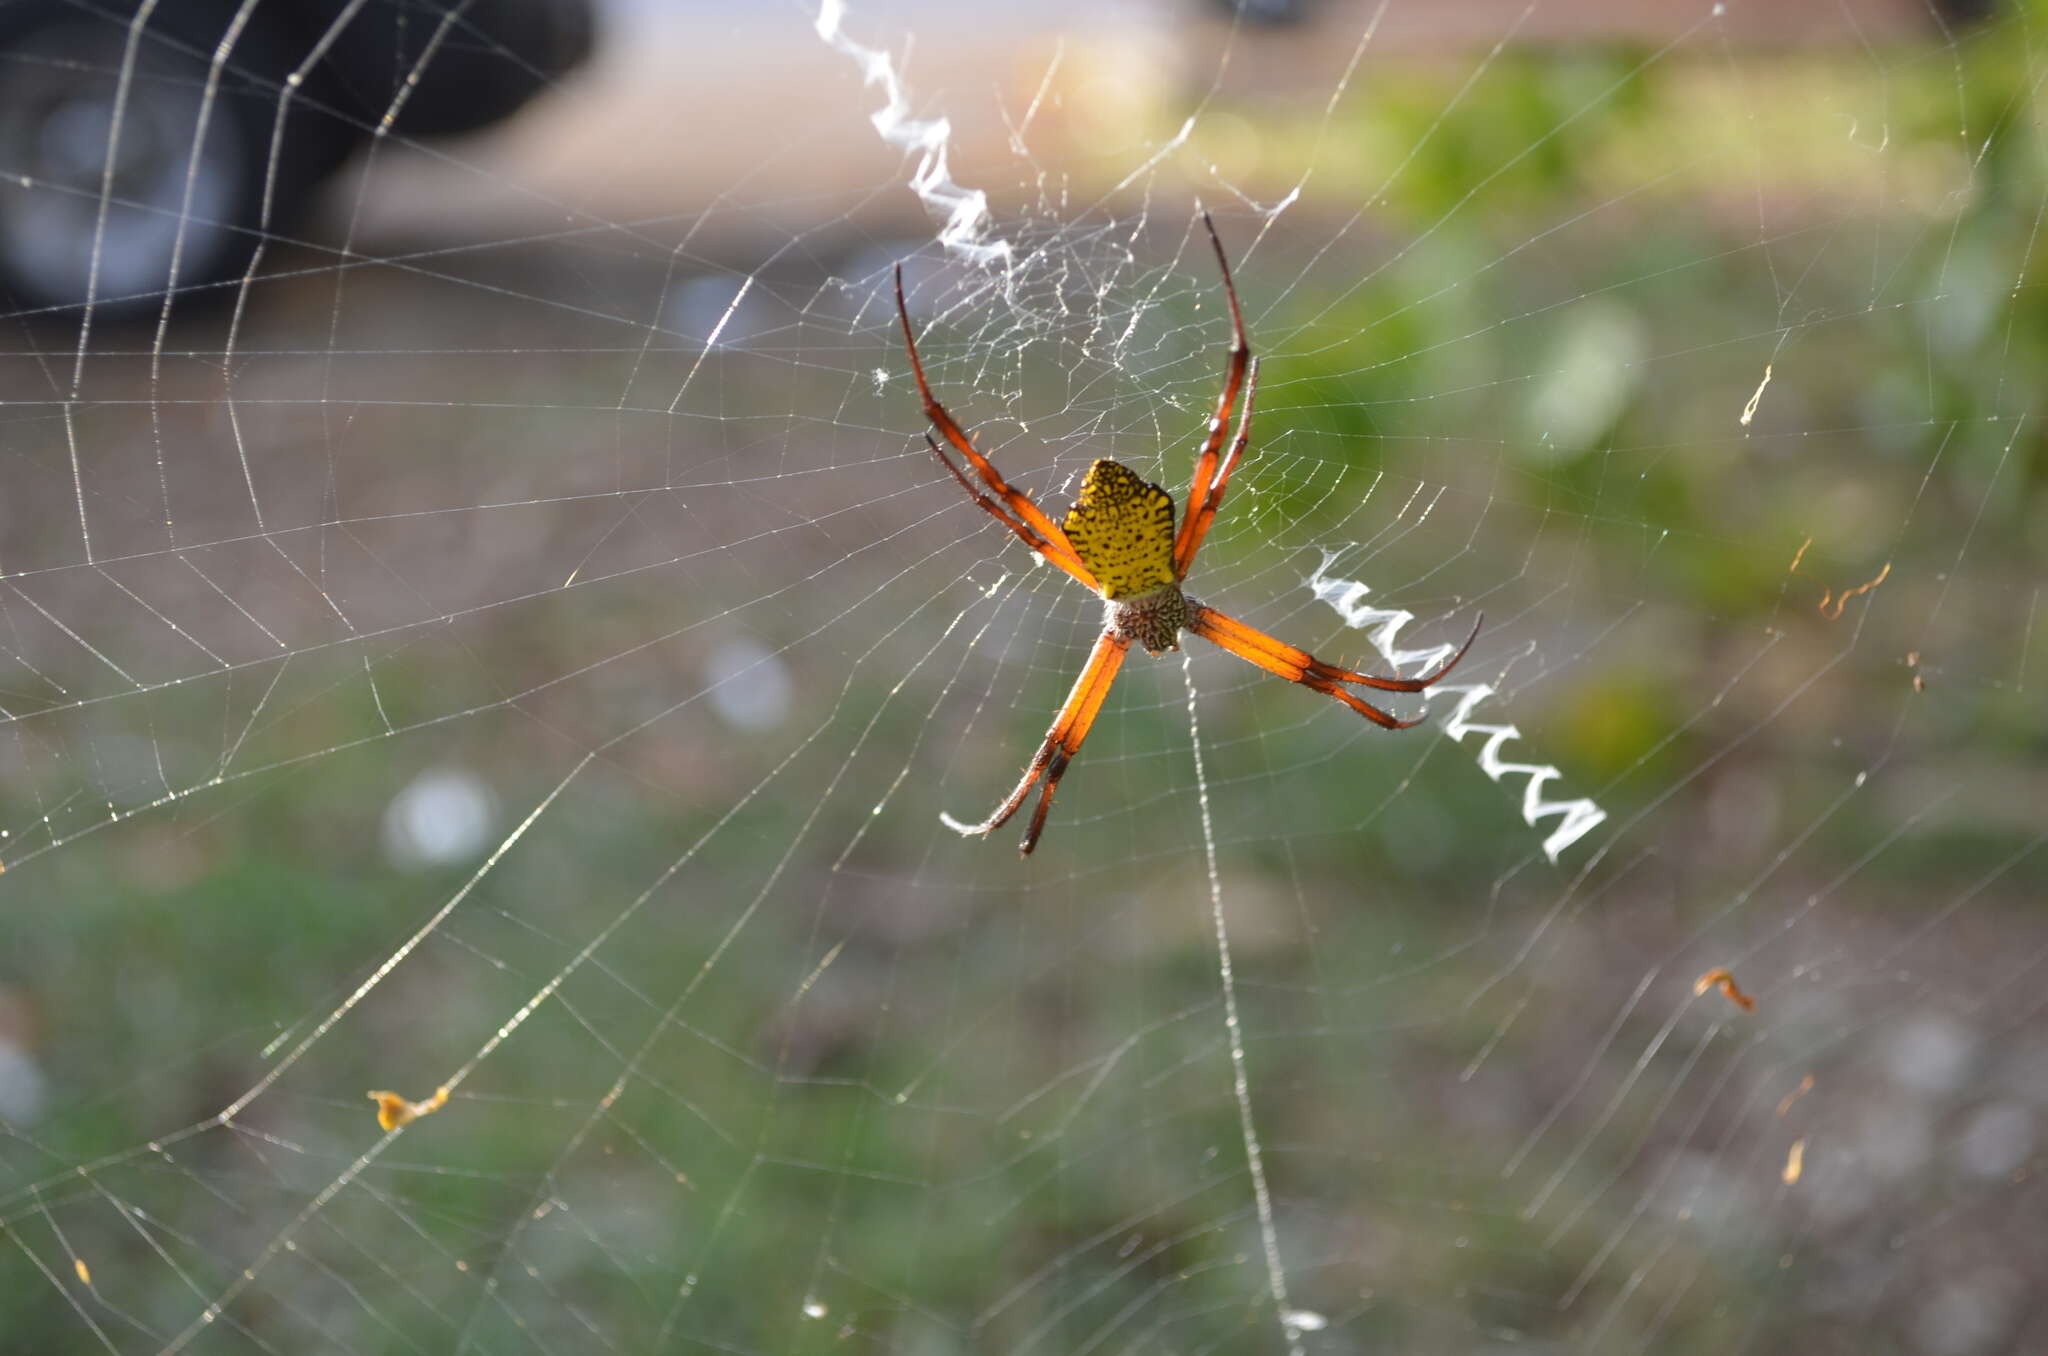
[(1382, 626)]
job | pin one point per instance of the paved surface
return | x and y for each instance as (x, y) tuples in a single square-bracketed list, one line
[(740, 114)]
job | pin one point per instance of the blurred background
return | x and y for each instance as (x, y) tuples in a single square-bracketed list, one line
[(477, 613)]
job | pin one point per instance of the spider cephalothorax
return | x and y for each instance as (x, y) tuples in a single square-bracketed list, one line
[(1119, 540)]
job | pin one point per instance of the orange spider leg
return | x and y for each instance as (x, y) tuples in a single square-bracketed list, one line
[(1002, 515), (1219, 425), (1280, 649), (1299, 666), (1197, 525), (1062, 742), (1052, 542)]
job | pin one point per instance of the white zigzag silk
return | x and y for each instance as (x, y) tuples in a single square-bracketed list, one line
[(965, 209), (1383, 631)]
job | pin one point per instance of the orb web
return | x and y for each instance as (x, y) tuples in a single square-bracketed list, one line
[(506, 651)]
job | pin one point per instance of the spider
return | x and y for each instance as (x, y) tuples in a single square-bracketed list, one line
[(1118, 539)]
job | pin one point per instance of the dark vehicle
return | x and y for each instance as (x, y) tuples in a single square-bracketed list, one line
[(210, 153)]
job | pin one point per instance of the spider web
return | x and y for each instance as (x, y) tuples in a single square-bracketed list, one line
[(514, 642)]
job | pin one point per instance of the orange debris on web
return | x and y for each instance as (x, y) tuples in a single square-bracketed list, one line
[(1843, 600), (1719, 978), (394, 1111)]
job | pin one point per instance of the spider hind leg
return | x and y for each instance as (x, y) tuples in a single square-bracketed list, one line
[(1062, 742)]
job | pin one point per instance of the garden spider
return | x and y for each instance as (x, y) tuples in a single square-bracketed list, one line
[(1119, 540)]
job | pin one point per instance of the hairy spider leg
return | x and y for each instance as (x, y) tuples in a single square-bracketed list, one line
[(1050, 541), (1219, 424), (1197, 525), (1062, 742), (1299, 666), (1001, 515)]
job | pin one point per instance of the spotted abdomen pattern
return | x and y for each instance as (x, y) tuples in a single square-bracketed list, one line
[(1122, 528)]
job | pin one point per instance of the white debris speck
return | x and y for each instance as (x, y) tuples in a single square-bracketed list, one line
[(1965, 1315), (441, 817), (1597, 365), (1304, 1320), (748, 685), (1997, 1141), (1931, 1054), (1896, 1142), (1749, 410), (23, 1089)]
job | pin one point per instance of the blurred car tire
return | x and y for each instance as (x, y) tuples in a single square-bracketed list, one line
[(172, 216)]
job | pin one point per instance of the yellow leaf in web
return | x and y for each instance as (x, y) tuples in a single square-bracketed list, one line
[(1122, 527), (394, 1110)]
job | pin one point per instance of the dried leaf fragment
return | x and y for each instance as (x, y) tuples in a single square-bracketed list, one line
[(1719, 978), (394, 1111), (1843, 601)]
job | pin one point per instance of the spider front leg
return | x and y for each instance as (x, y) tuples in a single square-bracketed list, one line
[(1198, 506), (1062, 742), (1019, 514), (1196, 525)]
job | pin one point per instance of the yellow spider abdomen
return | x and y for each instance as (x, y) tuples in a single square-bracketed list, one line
[(1122, 528)]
